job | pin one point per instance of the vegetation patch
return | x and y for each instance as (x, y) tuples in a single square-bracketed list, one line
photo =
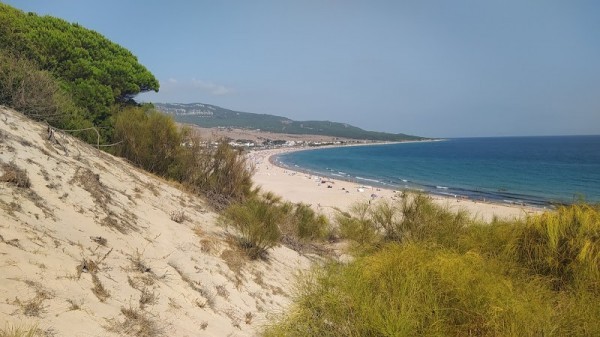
[(19, 332), (34, 307), (137, 323), (412, 218), (422, 271), (208, 296), (90, 182), (99, 290), (93, 268), (177, 216), (563, 245), (264, 221), (147, 297), (15, 175), (257, 222)]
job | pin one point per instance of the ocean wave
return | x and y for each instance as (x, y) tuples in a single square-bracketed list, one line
[(367, 179), (441, 187)]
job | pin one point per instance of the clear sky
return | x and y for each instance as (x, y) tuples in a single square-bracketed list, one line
[(429, 68)]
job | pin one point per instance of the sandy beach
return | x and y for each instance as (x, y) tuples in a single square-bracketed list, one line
[(325, 194)]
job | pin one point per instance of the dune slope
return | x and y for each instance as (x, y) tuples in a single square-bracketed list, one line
[(92, 246)]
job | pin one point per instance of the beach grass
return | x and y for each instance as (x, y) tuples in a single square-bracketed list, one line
[(265, 220), (420, 271), (19, 332)]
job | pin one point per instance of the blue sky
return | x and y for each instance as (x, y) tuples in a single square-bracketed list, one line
[(430, 68)]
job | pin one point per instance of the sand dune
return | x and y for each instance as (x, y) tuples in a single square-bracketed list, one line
[(93, 246)]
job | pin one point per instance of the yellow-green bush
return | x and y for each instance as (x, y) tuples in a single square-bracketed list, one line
[(358, 225), (226, 176), (412, 218), (147, 138), (154, 142), (306, 224), (413, 290), (263, 221), (257, 222), (563, 245), (536, 277)]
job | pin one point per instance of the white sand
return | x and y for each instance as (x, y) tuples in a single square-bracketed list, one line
[(301, 187), (47, 231)]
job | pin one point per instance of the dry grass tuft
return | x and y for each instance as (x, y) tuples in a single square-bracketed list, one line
[(209, 244), (99, 240), (34, 307), (222, 291), (138, 264), (15, 175), (74, 305), (137, 323), (147, 298), (19, 332), (177, 216), (93, 267), (235, 259), (90, 182), (102, 293), (248, 317), (196, 286)]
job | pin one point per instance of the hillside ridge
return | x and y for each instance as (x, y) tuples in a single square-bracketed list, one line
[(211, 116)]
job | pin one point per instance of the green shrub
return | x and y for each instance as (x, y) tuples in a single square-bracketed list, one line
[(257, 222), (443, 275), (263, 220), (220, 172), (423, 220), (148, 139), (418, 290), (358, 225), (227, 176), (412, 218), (563, 245), (303, 223), (35, 93), (154, 142), (96, 73)]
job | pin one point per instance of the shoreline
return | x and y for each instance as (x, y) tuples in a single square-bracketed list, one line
[(325, 194)]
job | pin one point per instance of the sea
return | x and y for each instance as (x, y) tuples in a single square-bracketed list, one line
[(536, 171)]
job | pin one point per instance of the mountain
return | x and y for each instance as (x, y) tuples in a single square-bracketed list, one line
[(92, 246), (209, 116)]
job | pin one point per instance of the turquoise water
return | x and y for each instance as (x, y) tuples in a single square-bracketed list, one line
[(531, 170)]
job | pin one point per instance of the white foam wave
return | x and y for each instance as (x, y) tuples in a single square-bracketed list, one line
[(367, 179)]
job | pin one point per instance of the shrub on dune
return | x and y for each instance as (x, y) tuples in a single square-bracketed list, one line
[(257, 223), (563, 245), (412, 290), (425, 271)]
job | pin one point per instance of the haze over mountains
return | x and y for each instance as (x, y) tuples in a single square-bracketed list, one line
[(209, 116)]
